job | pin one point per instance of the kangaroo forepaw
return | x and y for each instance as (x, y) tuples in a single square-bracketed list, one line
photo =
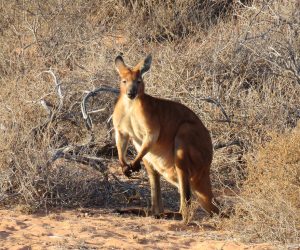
[(127, 171), (135, 166)]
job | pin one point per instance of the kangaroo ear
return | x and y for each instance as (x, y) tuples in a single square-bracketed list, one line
[(144, 65), (119, 63)]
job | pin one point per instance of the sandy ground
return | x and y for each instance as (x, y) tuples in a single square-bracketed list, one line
[(102, 229)]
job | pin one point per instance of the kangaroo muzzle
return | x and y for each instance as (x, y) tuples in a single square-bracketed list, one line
[(132, 93)]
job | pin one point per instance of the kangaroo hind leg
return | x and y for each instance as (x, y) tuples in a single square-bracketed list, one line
[(193, 158), (181, 165), (201, 186)]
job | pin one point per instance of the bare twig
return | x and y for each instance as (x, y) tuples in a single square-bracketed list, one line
[(57, 87), (47, 106), (216, 102), (96, 111)]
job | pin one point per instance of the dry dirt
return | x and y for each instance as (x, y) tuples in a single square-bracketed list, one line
[(102, 229)]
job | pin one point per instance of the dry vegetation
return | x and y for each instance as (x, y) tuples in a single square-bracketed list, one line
[(235, 63), (268, 208)]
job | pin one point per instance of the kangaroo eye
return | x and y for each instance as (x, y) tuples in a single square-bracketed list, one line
[(124, 81)]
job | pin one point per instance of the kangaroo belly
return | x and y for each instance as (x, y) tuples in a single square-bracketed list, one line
[(162, 161)]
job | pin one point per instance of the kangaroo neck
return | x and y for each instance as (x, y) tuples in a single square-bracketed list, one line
[(141, 99)]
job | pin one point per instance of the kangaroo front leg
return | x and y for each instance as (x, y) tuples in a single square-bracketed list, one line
[(156, 200), (122, 143), (149, 140)]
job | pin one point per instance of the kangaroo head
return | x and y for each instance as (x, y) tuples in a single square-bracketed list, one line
[(132, 84)]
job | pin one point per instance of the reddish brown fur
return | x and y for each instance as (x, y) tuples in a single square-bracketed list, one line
[(169, 138)]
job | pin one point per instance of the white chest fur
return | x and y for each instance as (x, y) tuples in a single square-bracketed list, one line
[(129, 124)]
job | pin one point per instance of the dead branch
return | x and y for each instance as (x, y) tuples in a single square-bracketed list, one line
[(85, 113), (71, 153), (48, 106), (94, 162), (228, 144), (57, 83), (74, 152), (218, 104)]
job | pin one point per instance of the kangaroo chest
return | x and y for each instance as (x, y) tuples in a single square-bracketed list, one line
[(129, 124)]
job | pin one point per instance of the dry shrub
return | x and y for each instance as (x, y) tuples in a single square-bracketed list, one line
[(268, 207)]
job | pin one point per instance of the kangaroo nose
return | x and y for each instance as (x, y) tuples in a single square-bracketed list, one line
[(132, 93)]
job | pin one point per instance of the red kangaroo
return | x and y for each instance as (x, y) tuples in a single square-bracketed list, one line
[(169, 138)]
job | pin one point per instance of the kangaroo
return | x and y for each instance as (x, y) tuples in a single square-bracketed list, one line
[(170, 140)]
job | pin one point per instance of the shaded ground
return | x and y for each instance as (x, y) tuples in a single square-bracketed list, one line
[(102, 229)]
